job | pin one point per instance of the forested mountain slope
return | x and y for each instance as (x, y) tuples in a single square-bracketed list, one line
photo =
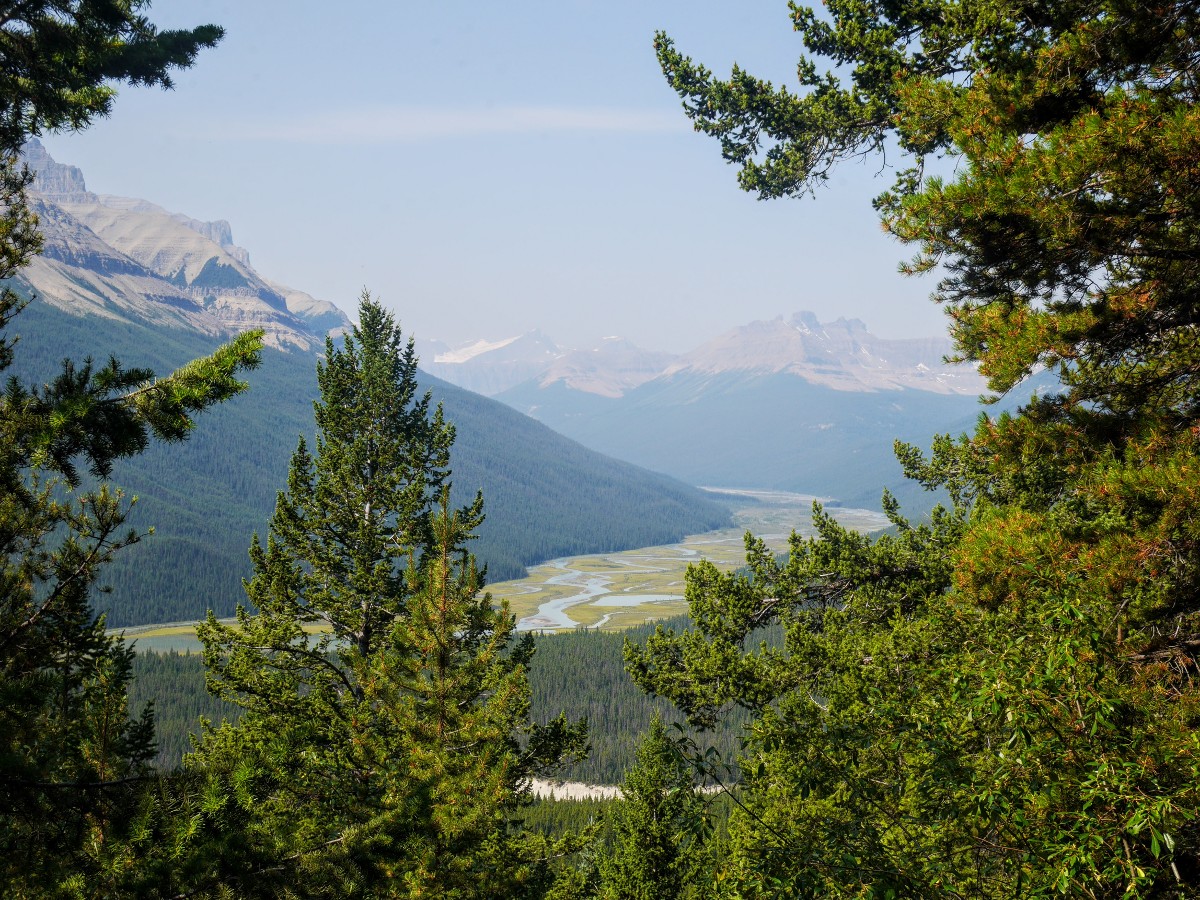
[(545, 495), (157, 289)]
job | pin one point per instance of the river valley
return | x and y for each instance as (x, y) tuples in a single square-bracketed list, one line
[(617, 590)]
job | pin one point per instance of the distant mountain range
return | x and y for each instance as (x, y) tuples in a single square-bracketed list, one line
[(792, 404), (155, 289), (842, 355), (492, 367)]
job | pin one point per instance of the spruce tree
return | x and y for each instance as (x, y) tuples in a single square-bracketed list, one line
[(386, 736), (60, 60), (657, 846)]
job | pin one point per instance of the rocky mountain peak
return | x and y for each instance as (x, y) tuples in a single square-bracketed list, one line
[(841, 354), (219, 232), (132, 256), (613, 368), (806, 322), (53, 180)]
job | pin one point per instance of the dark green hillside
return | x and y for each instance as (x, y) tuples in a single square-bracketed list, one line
[(583, 674), (580, 673), (174, 682), (545, 496), (555, 817)]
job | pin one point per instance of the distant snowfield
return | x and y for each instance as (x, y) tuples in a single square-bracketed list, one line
[(463, 354), (549, 789), (546, 789)]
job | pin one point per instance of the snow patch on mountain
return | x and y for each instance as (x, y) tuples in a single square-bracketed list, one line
[(469, 352)]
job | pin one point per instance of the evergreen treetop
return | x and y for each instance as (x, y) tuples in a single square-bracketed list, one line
[(386, 739), (657, 844), (59, 59)]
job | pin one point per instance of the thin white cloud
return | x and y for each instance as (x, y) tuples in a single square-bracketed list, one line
[(389, 125)]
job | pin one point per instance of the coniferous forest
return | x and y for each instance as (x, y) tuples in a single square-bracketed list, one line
[(578, 674), (999, 700)]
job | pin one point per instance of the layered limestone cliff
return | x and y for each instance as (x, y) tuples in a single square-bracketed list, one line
[(81, 274), (118, 253)]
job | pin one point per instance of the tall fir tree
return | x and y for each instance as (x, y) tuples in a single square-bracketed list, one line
[(386, 736)]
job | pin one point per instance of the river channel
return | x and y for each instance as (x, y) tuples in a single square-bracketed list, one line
[(617, 590)]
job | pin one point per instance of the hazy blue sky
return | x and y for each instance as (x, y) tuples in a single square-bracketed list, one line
[(489, 168)]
